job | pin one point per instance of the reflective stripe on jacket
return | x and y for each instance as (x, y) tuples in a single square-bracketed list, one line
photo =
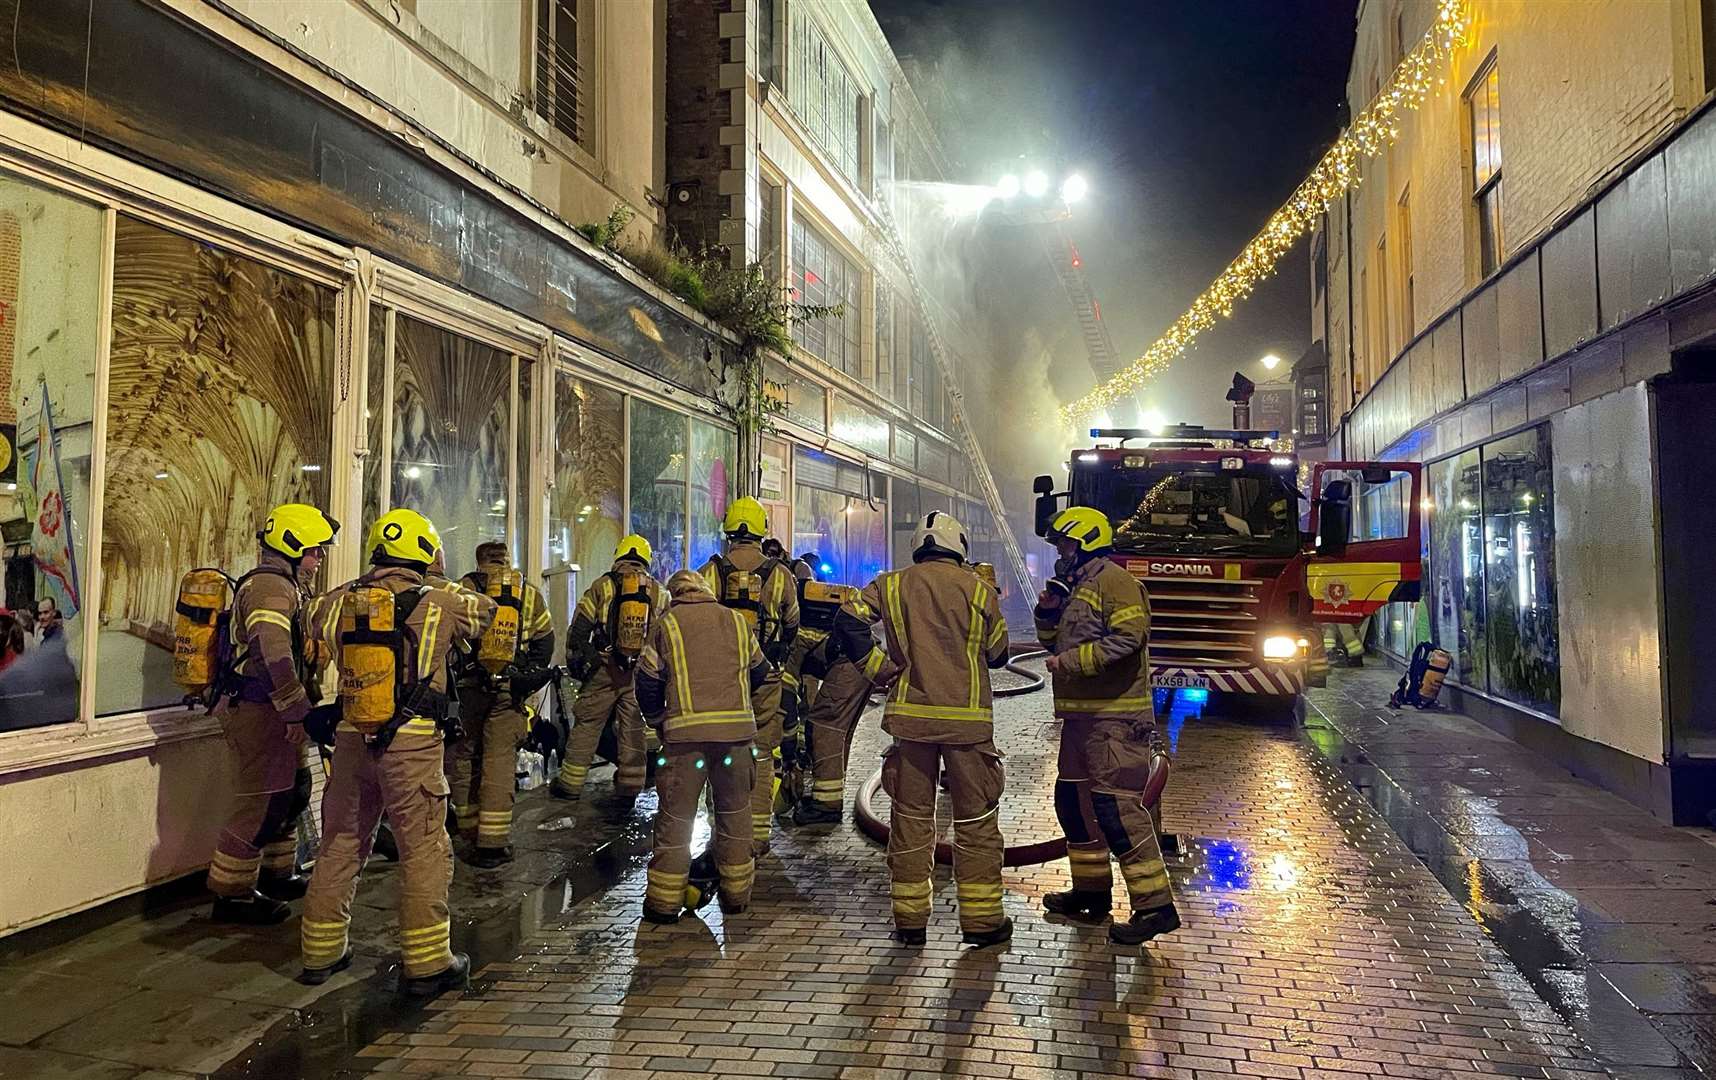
[(945, 631), (262, 612), (695, 675), (1102, 637)]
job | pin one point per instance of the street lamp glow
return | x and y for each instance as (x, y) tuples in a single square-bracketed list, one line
[(1074, 188), (1007, 187), (1271, 362), (1036, 183), (1152, 420)]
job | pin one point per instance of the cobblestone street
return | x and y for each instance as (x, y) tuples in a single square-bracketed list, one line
[(1315, 945)]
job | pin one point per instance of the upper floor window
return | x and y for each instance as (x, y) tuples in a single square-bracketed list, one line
[(823, 95), (823, 276), (1408, 298), (1483, 106), (767, 66), (562, 72), (770, 196)]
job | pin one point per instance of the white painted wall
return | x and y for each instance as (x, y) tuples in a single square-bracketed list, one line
[(1607, 574), (85, 834)]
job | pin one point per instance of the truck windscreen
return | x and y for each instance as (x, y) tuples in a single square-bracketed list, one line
[(1209, 512)]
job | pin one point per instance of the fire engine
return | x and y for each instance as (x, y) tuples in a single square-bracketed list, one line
[(1211, 522)]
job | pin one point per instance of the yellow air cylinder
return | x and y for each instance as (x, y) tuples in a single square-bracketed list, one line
[(203, 595)]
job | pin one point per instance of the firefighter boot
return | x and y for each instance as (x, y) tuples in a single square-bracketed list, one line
[(1078, 903), (318, 976), (456, 977), (288, 886), (254, 910), (701, 882), (811, 813), (562, 791), (1145, 925), (985, 938), (487, 858), (912, 936)]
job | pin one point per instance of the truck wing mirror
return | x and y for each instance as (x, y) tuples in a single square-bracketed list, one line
[(1043, 485), (1374, 474), (1047, 504), (1335, 518)]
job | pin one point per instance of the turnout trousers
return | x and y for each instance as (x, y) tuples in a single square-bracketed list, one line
[(406, 783), (270, 789), (481, 766), (910, 773), (766, 704), (608, 695), (1099, 786), (727, 768), (832, 722)]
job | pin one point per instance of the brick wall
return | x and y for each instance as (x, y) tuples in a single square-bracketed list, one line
[(697, 109)]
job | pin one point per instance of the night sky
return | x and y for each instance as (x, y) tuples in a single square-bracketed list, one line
[(1193, 122)]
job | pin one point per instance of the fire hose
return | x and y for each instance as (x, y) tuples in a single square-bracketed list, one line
[(1042, 851)]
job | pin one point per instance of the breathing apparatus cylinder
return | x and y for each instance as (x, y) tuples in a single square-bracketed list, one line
[(204, 596), (499, 646)]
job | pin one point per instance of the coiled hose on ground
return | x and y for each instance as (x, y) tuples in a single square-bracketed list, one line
[(1032, 854)]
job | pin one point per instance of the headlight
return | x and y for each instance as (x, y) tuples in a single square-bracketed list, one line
[(1280, 647)]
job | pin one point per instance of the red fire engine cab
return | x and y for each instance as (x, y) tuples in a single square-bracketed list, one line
[(1238, 577)]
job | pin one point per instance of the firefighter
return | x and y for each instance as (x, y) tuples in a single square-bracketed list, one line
[(801, 676), (761, 589), (391, 635), (694, 684), (1095, 621), (602, 646), (840, 692), (511, 663), (254, 869), (944, 631)]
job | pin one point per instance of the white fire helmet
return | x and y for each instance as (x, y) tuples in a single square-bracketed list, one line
[(940, 533)]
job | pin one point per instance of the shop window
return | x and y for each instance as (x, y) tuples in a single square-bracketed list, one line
[(834, 516), (1519, 571), (584, 508), (218, 409), (658, 471), (1454, 586), (450, 402), (712, 453), (50, 279)]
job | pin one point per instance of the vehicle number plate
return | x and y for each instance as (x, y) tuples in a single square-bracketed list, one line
[(1180, 682)]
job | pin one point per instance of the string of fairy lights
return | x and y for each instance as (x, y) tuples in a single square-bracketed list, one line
[(1375, 129)]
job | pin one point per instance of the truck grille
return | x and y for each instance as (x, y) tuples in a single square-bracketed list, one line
[(1203, 622)]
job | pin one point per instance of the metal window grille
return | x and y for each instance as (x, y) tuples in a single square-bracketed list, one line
[(560, 74)]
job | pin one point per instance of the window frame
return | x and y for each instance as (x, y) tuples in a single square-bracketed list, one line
[(1487, 194), (585, 110), (803, 227)]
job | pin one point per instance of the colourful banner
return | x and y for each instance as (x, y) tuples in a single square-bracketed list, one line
[(51, 539)]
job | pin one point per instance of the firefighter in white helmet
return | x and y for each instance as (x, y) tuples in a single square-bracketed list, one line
[(944, 632), (1095, 621)]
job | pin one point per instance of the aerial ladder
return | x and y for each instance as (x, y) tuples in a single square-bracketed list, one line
[(962, 427), (1069, 267)]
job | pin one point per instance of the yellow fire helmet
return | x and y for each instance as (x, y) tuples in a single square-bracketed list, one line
[(294, 528), (745, 520), (635, 548), (1088, 526), (404, 536)]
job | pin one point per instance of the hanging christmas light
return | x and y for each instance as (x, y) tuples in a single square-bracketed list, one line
[(1375, 129)]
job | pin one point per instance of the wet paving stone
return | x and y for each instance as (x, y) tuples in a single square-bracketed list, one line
[(1608, 914), (1315, 945)]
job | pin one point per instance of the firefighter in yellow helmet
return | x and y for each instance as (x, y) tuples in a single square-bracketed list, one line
[(763, 590), (694, 682), (391, 634), (511, 663), (944, 632), (1094, 618), (603, 644), (254, 868)]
